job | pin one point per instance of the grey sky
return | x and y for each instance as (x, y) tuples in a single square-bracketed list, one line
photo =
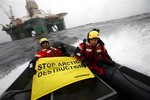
[(80, 12)]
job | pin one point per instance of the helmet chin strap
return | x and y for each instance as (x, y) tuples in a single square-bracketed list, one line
[(88, 40)]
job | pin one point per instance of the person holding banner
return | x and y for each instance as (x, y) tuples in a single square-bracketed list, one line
[(46, 51), (92, 52)]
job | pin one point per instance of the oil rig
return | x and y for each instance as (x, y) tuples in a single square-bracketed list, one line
[(35, 23)]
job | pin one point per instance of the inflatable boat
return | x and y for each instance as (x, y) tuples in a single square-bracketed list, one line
[(122, 83)]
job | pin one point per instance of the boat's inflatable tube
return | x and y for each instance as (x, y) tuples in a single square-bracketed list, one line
[(132, 83)]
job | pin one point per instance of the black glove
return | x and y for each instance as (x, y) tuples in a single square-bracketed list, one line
[(33, 71), (62, 48), (32, 68), (84, 62)]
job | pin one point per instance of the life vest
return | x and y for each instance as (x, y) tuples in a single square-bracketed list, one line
[(94, 55), (51, 52)]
